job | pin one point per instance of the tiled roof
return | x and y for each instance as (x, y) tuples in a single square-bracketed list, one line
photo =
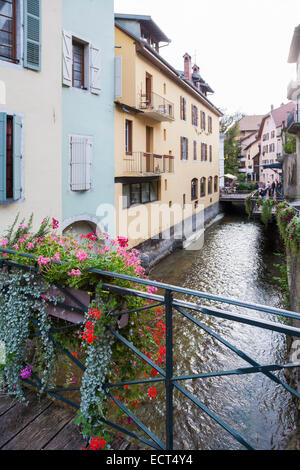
[(250, 123), (280, 114)]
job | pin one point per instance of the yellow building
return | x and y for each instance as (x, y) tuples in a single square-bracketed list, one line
[(167, 141)]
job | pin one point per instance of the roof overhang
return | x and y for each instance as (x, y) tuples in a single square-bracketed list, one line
[(146, 21)]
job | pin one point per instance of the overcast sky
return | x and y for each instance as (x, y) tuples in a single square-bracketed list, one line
[(241, 46)]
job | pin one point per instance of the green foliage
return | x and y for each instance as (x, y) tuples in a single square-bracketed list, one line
[(284, 215), (24, 301), (283, 280), (290, 145), (293, 235), (245, 187), (266, 211)]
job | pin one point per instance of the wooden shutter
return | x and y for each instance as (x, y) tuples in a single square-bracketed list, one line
[(80, 163), (187, 148), (67, 58), (181, 107), (32, 34), (2, 157), (95, 60), (17, 157), (118, 76)]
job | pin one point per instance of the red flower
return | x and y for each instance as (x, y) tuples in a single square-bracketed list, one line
[(97, 443), (152, 392), (123, 242)]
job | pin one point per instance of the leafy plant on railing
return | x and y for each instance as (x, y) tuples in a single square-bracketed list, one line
[(293, 235), (267, 210), (283, 281), (65, 261)]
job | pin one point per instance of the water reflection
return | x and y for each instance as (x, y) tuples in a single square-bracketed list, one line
[(235, 262)]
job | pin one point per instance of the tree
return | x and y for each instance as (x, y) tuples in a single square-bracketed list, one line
[(229, 125), (290, 145)]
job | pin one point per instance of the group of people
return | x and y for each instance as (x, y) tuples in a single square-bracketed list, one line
[(273, 190)]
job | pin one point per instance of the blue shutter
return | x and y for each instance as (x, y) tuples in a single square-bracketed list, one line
[(32, 34), (2, 157), (17, 157)]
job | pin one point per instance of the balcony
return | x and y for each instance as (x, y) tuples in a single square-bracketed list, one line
[(293, 89), (147, 164), (293, 122), (156, 107)]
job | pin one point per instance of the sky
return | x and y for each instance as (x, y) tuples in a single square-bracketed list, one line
[(241, 46)]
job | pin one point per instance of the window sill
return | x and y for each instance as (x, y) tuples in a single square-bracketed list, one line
[(9, 202)]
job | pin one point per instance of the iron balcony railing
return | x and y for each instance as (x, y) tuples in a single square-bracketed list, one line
[(159, 108), (194, 312), (145, 163), (293, 117)]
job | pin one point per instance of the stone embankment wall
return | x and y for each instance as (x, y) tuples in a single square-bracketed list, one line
[(294, 343)]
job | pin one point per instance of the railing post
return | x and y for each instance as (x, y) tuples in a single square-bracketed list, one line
[(169, 369)]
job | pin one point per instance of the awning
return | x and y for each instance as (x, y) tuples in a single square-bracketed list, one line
[(278, 166), (230, 177)]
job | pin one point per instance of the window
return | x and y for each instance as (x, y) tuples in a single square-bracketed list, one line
[(272, 134), (128, 137), (203, 187), (195, 150), (194, 115), (81, 149), (203, 120), (184, 143), (10, 157), (81, 64), (182, 108), (210, 153), (139, 193), (165, 134), (8, 34), (203, 152), (78, 65), (12, 27), (183, 201), (210, 125), (194, 189), (209, 190), (216, 184)]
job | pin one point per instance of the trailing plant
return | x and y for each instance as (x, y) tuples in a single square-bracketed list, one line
[(284, 215), (283, 280), (293, 235), (67, 261), (267, 210)]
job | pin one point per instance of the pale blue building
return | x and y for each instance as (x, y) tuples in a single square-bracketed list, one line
[(87, 114)]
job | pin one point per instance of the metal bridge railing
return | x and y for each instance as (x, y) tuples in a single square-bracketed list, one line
[(166, 375)]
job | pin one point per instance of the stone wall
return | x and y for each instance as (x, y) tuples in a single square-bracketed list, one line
[(291, 181)]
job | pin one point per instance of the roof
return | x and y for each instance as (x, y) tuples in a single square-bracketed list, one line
[(145, 49), (279, 115), (295, 46), (147, 22), (250, 123)]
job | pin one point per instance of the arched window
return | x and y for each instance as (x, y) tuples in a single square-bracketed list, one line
[(216, 185), (210, 185), (203, 187), (194, 189)]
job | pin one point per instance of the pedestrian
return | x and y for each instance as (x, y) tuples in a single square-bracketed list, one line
[(273, 189), (268, 189)]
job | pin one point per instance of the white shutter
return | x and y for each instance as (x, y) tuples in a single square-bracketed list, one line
[(95, 70), (81, 149), (118, 76), (67, 58)]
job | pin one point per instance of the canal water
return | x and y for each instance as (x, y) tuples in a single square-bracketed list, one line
[(236, 261)]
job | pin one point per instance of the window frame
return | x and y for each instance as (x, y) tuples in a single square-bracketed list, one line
[(128, 136), (82, 46), (128, 204)]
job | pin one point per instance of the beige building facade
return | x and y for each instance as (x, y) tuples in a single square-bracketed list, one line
[(167, 140)]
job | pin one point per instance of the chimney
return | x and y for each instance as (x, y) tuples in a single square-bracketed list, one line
[(187, 66), (196, 81)]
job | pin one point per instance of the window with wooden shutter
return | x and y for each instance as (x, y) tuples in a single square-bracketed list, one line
[(210, 153), (183, 108), (10, 158), (81, 148), (8, 30), (195, 150), (32, 34)]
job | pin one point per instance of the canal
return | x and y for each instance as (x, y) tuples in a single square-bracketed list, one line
[(236, 261)]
